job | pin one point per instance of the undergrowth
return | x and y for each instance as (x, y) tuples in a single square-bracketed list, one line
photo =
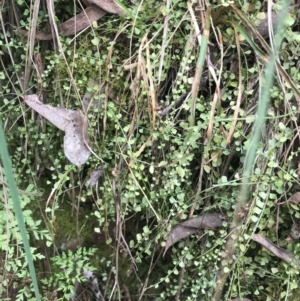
[(162, 165)]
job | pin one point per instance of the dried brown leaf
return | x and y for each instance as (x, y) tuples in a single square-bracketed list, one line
[(109, 5), (73, 123), (279, 252), (295, 198), (191, 226), (96, 174), (73, 25), (76, 137), (57, 116)]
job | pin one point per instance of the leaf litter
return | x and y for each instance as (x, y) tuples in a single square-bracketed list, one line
[(73, 122), (192, 226)]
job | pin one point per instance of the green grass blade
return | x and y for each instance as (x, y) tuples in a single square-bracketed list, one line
[(243, 197), (17, 207), (264, 101)]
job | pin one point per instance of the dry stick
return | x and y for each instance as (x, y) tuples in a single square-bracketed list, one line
[(127, 292), (199, 66), (239, 96), (134, 87), (117, 199), (39, 67), (164, 44), (220, 152), (190, 44), (217, 94), (53, 28), (217, 97), (129, 252), (144, 288), (151, 86), (31, 41), (195, 22), (180, 277), (140, 65), (203, 42), (147, 78), (236, 223), (14, 12), (190, 41)]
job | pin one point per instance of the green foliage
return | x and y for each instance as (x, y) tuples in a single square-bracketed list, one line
[(157, 171), (13, 231), (68, 269)]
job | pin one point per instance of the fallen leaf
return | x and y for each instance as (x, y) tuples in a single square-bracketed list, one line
[(278, 252), (191, 226), (96, 174), (295, 230), (295, 198), (73, 123), (92, 282), (75, 138), (73, 25), (109, 5)]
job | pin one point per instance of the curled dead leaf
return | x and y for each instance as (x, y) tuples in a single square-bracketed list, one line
[(295, 198), (73, 123), (96, 174), (295, 231), (109, 5), (277, 251), (92, 13), (191, 226), (73, 25)]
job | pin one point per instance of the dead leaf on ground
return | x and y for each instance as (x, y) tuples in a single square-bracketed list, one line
[(278, 252), (109, 5), (295, 231), (295, 198), (191, 226), (73, 123), (73, 25), (92, 13), (96, 174)]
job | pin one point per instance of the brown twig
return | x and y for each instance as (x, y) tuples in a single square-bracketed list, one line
[(30, 42), (117, 198), (127, 292)]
